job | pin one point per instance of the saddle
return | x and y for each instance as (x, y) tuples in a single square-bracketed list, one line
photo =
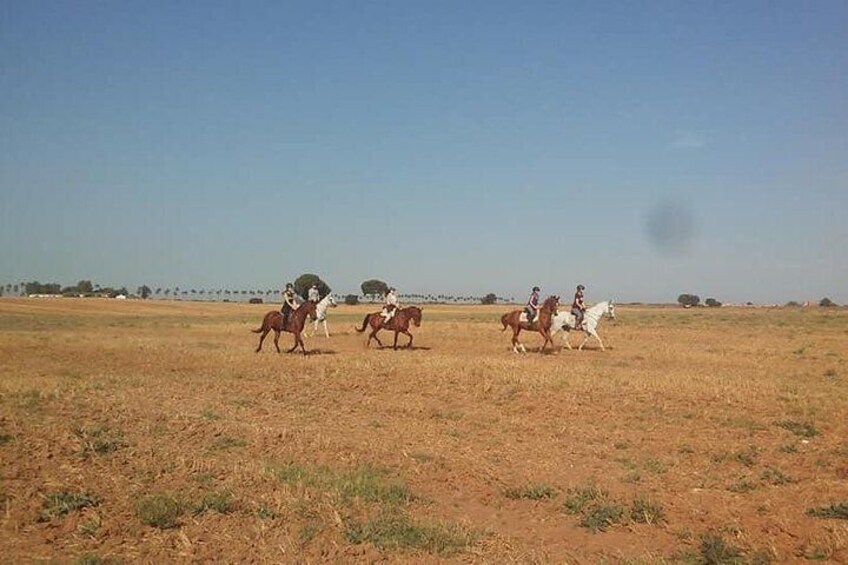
[(523, 318)]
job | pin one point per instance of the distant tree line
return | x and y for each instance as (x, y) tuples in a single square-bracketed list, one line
[(691, 300)]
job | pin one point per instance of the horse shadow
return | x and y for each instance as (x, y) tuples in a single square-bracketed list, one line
[(413, 348), (318, 351)]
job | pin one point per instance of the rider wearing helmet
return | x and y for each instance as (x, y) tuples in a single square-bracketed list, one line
[(289, 303), (314, 294), (532, 307), (391, 306), (578, 307)]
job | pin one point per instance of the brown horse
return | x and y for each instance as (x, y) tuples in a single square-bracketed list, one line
[(399, 323), (541, 325), (273, 320)]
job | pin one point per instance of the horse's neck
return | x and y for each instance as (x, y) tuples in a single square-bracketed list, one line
[(597, 310)]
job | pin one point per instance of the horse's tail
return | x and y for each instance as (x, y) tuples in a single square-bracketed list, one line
[(258, 330), (503, 321), (364, 324)]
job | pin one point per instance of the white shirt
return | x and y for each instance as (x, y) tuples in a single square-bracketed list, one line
[(314, 295), (391, 298)]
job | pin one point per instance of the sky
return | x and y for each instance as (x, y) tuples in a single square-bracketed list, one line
[(643, 149)]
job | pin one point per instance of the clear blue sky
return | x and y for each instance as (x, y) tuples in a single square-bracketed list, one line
[(643, 149)]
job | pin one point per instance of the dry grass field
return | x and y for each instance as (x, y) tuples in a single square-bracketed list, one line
[(151, 432)]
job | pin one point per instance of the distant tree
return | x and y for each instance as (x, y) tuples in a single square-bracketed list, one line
[(688, 300), (351, 300), (143, 291), (304, 282), (826, 303), (374, 288), (490, 298), (712, 302), (792, 304), (15, 289), (85, 287)]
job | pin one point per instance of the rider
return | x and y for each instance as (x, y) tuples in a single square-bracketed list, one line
[(578, 307), (532, 307), (314, 293), (391, 306), (289, 303)]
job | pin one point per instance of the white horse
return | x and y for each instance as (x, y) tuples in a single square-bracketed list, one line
[(591, 318), (321, 314)]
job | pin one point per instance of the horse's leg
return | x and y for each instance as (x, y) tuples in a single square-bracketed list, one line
[(565, 339), (326, 331), (585, 339), (277, 340), (515, 343), (261, 339), (408, 345), (302, 346), (296, 339), (594, 333)]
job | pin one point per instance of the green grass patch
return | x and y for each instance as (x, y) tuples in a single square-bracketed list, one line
[(58, 504), (836, 511), (396, 531), (715, 551), (576, 500), (99, 440), (599, 518), (366, 483), (227, 442), (220, 502), (531, 492), (802, 429), (160, 511), (646, 511), (775, 476), (748, 457), (5, 438), (742, 485)]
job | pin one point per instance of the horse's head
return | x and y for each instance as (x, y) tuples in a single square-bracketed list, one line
[(415, 315), (550, 304), (331, 302)]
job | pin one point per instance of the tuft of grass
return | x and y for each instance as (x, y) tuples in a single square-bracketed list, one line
[(646, 511), (58, 504), (5, 438), (99, 440), (715, 551), (89, 527), (655, 466), (742, 485), (836, 510), (227, 442), (210, 414), (531, 492), (775, 476), (600, 517), (94, 559), (802, 429), (159, 510), (395, 530), (748, 457), (220, 502), (366, 483), (265, 513), (789, 448), (578, 499)]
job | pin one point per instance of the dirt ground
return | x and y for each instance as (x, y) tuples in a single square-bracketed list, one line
[(150, 431)]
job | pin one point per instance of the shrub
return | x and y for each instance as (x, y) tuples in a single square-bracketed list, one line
[(490, 298), (351, 300), (826, 303), (839, 511), (60, 503), (255, 300), (688, 300), (712, 303), (159, 510)]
